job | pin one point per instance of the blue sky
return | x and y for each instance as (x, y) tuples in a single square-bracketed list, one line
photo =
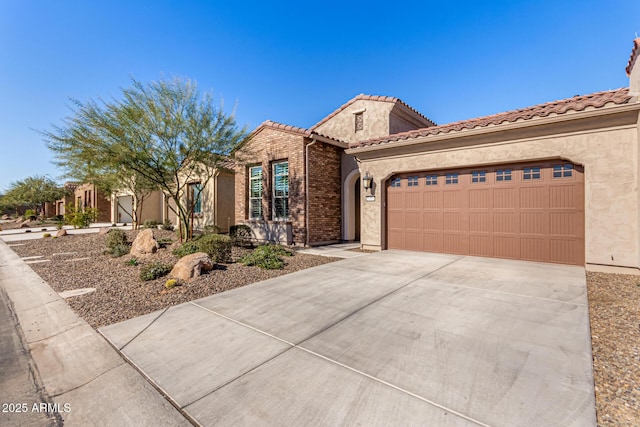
[(294, 62)]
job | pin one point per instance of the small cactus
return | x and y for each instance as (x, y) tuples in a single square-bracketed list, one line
[(45, 235), (170, 283)]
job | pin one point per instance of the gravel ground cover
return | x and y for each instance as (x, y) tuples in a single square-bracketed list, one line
[(614, 304), (614, 311), (120, 294)]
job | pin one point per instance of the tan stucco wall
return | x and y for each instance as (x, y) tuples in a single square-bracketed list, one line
[(342, 125), (609, 156)]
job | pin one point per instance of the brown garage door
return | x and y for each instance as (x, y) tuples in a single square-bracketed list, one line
[(532, 211)]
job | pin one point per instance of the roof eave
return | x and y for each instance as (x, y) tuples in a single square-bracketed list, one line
[(495, 128)]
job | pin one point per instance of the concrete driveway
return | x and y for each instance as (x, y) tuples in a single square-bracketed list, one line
[(392, 338)]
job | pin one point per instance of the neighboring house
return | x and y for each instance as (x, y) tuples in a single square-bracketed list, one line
[(88, 196), (213, 206), (556, 182), (151, 209), (69, 198)]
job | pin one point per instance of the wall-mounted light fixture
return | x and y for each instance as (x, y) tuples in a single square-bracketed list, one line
[(367, 180)]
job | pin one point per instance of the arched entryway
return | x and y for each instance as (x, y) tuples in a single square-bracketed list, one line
[(351, 207)]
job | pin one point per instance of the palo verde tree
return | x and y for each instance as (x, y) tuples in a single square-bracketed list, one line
[(165, 134), (32, 192)]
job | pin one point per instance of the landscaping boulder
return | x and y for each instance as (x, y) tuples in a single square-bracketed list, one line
[(25, 224), (104, 230), (191, 266), (61, 232), (5, 217), (144, 243)]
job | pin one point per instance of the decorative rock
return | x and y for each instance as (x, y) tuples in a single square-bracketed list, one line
[(24, 224), (61, 232), (5, 217), (191, 266), (144, 243), (104, 230)]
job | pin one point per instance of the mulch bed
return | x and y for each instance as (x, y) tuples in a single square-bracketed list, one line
[(614, 305), (120, 294)]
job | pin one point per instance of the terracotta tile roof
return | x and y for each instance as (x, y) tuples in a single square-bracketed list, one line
[(373, 98), (294, 129), (577, 103), (634, 55)]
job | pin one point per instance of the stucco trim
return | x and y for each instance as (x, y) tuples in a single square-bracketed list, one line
[(604, 111)]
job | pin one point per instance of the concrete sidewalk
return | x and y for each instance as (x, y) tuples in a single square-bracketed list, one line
[(87, 379), (391, 339)]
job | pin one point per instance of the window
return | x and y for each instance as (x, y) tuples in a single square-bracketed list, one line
[(195, 197), (255, 192), (412, 181), (359, 121), (431, 180), (281, 190), (531, 173), (563, 171), (479, 176), (396, 182), (503, 175), (451, 178)]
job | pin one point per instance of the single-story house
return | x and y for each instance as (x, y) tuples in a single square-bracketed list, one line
[(555, 182), (213, 202)]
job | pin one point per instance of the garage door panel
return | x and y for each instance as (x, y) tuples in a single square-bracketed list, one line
[(432, 221), (563, 250), (563, 224), (432, 242), (562, 197), (481, 245), (452, 221), (413, 200), (534, 223), (451, 199), (505, 222), (455, 244), (506, 247), (480, 198), (413, 220), (534, 249), (432, 199), (533, 197), (480, 222), (504, 197), (524, 214)]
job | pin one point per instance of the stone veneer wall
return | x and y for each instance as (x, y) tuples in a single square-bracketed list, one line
[(325, 206), (265, 148)]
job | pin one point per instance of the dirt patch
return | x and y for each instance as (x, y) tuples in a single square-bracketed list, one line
[(120, 294)]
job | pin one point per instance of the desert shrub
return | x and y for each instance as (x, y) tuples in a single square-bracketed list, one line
[(268, 257), (217, 246), (150, 223), (154, 270), (120, 250), (166, 225), (187, 248), (211, 229), (30, 214), (59, 224), (133, 261), (46, 235), (80, 218), (164, 241), (241, 235), (116, 237)]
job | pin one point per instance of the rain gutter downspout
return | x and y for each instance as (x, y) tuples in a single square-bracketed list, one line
[(306, 183)]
